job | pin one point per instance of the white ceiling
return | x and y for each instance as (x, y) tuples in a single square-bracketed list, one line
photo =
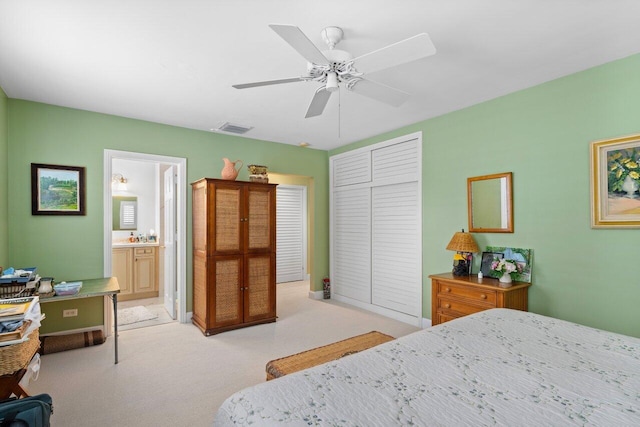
[(174, 62)]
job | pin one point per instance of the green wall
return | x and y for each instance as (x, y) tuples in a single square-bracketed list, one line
[(4, 177), (70, 247), (542, 135)]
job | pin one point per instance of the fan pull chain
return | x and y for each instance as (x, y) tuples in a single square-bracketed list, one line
[(339, 115)]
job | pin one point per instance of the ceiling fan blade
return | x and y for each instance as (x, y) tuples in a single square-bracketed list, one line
[(404, 51), (300, 42), (318, 103), (380, 92), (268, 82)]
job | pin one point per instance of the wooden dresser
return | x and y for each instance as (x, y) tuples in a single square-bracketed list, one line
[(456, 296)]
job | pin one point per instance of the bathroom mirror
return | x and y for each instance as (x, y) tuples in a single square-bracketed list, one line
[(125, 212), (490, 203)]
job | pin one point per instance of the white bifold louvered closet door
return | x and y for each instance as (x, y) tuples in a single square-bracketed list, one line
[(376, 239), (290, 233)]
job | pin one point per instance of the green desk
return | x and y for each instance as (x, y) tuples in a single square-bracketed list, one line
[(106, 286)]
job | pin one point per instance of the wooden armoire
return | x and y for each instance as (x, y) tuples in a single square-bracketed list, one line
[(234, 254)]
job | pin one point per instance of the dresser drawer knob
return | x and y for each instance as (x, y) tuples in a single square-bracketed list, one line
[(447, 289), (447, 306), (483, 296)]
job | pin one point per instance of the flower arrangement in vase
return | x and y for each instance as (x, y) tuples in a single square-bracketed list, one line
[(624, 171), (505, 269)]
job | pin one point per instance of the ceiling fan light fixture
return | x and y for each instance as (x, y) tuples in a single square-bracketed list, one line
[(332, 82), (332, 36)]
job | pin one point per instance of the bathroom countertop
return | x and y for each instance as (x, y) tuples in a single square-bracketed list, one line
[(132, 245)]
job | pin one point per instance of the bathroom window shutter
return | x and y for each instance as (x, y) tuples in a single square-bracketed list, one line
[(128, 215)]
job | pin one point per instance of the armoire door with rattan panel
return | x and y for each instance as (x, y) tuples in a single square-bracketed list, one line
[(233, 254)]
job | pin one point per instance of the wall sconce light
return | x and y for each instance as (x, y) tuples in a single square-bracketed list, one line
[(118, 182), (465, 246)]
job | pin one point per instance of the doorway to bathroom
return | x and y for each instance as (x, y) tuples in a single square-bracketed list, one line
[(145, 245)]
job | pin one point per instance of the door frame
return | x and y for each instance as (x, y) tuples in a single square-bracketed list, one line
[(181, 221)]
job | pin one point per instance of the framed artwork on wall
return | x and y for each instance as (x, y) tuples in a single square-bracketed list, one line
[(57, 190), (615, 183)]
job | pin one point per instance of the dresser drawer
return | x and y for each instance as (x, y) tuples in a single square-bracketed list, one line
[(457, 296), (459, 306), (445, 317), (483, 296)]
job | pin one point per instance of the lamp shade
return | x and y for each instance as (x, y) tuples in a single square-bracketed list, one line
[(463, 242)]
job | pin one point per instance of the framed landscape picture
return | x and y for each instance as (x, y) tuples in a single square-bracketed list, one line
[(615, 183), (57, 190)]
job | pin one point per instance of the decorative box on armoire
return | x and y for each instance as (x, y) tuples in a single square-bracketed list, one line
[(234, 254)]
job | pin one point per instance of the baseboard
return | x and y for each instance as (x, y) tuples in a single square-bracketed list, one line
[(426, 323), (411, 320), (316, 294), (188, 317)]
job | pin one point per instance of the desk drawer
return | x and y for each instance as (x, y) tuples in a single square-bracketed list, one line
[(485, 297)]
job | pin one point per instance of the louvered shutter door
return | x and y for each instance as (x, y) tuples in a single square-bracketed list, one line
[(289, 234), (376, 247), (396, 280), (396, 163), (352, 169), (351, 244)]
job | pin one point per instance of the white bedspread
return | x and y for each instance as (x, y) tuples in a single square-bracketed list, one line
[(498, 367)]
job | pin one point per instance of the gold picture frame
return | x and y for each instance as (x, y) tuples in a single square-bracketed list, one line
[(615, 183)]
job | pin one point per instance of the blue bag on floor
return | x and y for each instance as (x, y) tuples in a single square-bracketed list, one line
[(33, 411)]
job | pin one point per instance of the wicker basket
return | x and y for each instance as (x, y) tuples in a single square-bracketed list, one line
[(17, 356), (15, 290)]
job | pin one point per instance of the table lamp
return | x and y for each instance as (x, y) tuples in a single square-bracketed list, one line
[(465, 246)]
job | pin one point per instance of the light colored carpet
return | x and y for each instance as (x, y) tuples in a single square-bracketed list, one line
[(172, 375), (127, 316)]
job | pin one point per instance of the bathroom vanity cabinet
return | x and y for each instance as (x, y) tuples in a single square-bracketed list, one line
[(136, 267)]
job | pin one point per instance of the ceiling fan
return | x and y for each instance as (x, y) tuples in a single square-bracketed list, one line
[(334, 67)]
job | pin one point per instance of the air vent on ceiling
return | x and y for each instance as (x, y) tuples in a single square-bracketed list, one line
[(231, 128)]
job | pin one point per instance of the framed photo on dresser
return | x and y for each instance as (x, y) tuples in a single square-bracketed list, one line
[(487, 259)]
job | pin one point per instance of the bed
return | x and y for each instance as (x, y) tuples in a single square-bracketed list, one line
[(497, 367)]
